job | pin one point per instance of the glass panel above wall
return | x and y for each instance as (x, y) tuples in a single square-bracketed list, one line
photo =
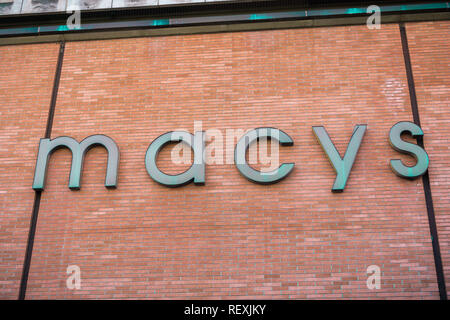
[(143, 3), (88, 4), (167, 2), (35, 6), (10, 6), (316, 8), (133, 3)]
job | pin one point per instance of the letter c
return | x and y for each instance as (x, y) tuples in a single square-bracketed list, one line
[(257, 176)]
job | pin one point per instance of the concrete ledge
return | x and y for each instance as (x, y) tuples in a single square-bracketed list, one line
[(216, 28)]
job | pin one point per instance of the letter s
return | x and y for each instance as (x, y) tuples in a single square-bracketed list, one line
[(408, 148)]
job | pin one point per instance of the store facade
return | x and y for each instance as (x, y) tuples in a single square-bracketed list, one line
[(227, 237)]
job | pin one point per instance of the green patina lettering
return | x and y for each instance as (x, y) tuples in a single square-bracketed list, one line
[(421, 156), (47, 147), (342, 167), (195, 173)]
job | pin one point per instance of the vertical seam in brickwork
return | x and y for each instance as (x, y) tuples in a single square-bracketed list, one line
[(51, 111), (425, 177), (37, 196)]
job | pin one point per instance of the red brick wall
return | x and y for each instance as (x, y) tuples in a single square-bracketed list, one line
[(26, 80), (232, 238), (430, 55)]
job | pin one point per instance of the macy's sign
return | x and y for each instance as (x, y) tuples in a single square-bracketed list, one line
[(196, 142)]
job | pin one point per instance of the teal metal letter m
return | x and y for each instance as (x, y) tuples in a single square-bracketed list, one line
[(47, 147)]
